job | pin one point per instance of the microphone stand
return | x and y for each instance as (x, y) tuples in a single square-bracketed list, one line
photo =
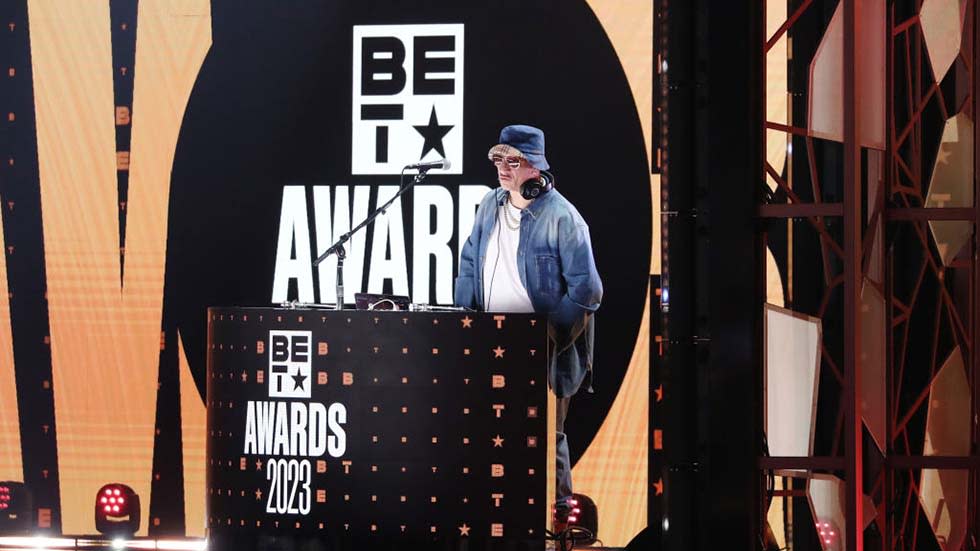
[(338, 247)]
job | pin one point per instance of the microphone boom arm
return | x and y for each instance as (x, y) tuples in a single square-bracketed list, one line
[(338, 247)]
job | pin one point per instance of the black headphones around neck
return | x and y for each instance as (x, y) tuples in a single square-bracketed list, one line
[(536, 187)]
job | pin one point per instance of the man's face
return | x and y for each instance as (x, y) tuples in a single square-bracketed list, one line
[(513, 171)]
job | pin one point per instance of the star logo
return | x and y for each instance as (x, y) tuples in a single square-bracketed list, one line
[(433, 133), (298, 379), (258, 495), (464, 530), (258, 464), (499, 352), (467, 322), (286, 366), (498, 442)]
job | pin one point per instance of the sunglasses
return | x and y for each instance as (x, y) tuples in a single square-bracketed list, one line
[(512, 162)]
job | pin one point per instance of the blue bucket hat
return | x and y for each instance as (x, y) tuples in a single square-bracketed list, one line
[(523, 141)]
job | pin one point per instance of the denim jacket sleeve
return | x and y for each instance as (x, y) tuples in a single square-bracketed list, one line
[(466, 282), (584, 288)]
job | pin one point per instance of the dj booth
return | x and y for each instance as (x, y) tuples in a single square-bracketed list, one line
[(336, 429)]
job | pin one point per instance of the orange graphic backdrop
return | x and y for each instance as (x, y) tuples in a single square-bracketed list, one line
[(105, 315)]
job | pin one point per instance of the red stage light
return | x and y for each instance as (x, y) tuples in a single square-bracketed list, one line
[(117, 510), (16, 508), (582, 521), (829, 535)]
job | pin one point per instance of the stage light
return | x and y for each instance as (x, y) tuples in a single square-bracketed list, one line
[(583, 522), (585, 515), (117, 510), (829, 535), (16, 508)]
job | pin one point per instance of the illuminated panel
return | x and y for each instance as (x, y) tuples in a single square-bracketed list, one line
[(826, 495), (11, 466), (951, 185), (943, 497), (105, 336), (825, 109), (943, 493), (942, 28), (792, 369), (103, 399), (777, 95), (173, 39), (873, 325), (551, 484), (193, 418), (613, 470), (774, 280), (629, 26)]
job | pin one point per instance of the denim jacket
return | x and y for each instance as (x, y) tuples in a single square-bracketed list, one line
[(555, 262)]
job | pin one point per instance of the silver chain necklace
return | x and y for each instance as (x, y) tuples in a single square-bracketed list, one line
[(512, 222)]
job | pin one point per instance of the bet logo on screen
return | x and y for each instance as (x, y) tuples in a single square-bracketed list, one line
[(407, 96)]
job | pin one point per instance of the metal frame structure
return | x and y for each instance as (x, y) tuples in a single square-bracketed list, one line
[(901, 205), (905, 211)]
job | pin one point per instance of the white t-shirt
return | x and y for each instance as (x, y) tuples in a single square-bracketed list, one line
[(502, 287)]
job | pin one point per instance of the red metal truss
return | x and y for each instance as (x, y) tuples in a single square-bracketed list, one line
[(906, 174), (914, 98)]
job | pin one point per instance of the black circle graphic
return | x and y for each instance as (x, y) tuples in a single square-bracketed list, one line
[(272, 106)]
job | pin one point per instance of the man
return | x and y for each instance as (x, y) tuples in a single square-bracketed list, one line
[(530, 252)]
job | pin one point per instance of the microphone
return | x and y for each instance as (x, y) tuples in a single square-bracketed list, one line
[(442, 164)]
